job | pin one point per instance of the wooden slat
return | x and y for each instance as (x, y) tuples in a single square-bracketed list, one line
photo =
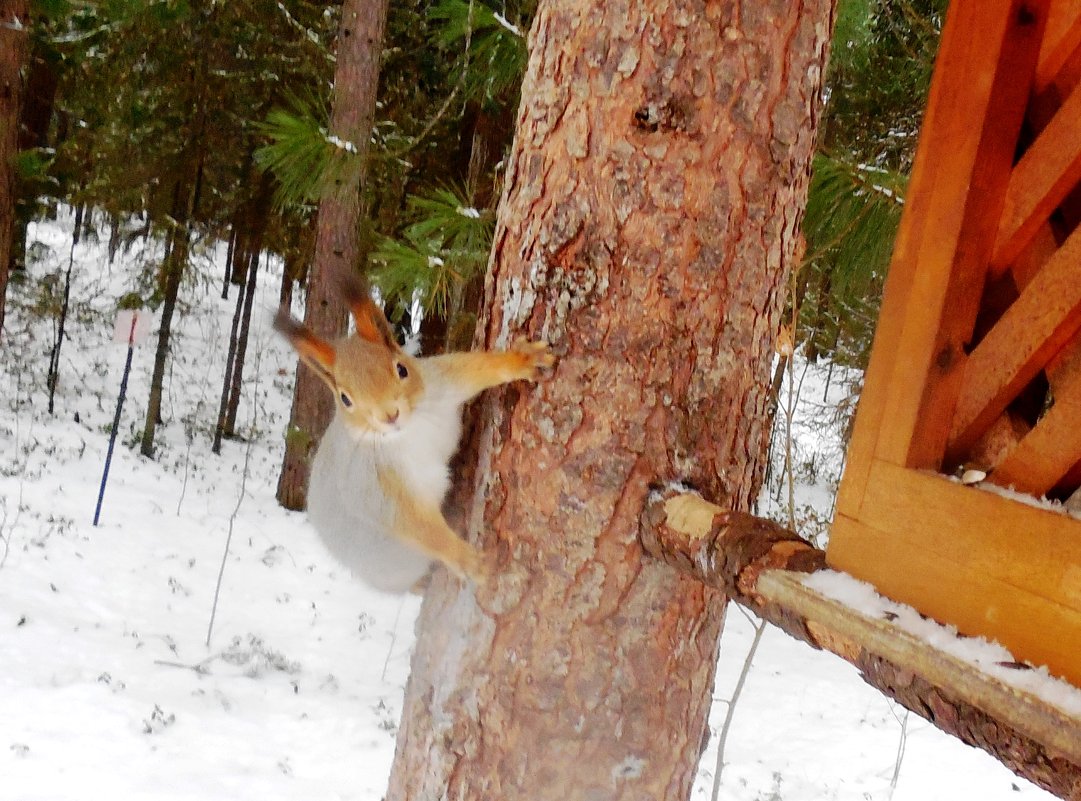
[(1050, 168), (938, 344), (1025, 712), (1030, 333), (1033, 549), (1032, 259), (897, 561), (977, 149), (948, 150), (1062, 40), (1046, 454)]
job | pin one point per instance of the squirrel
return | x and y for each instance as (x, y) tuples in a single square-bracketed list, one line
[(380, 473)]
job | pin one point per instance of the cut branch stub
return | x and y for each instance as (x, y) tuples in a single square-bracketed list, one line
[(725, 549)]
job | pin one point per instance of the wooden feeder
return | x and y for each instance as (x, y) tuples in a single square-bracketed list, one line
[(977, 357)]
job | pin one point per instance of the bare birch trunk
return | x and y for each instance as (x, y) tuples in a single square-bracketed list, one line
[(337, 242), (648, 226)]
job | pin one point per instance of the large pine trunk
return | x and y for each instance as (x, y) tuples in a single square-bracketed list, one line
[(648, 227), (337, 238), (13, 49)]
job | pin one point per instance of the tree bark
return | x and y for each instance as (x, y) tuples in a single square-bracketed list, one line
[(741, 555), (337, 243), (648, 226), (14, 22)]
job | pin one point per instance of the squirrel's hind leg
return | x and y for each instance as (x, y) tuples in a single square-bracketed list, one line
[(424, 527)]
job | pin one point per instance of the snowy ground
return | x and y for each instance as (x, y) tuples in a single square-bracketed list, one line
[(110, 691)]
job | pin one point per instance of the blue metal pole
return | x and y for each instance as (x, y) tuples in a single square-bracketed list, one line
[(116, 418)]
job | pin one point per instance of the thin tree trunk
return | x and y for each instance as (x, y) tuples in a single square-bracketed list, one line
[(230, 360), (337, 243), (175, 261), (237, 376), (54, 356), (185, 203), (259, 209), (649, 223), (114, 236), (14, 22), (229, 260)]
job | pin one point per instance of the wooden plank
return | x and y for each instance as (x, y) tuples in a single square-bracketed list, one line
[(1032, 259), (1021, 710), (898, 563), (1035, 328), (1047, 453), (942, 311), (1050, 168), (1062, 40), (948, 149), (1030, 548)]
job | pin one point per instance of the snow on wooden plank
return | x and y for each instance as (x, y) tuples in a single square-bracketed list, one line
[(849, 618)]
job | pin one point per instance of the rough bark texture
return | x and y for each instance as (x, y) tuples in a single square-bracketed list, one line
[(730, 551), (649, 220), (337, 238), (14, 16)]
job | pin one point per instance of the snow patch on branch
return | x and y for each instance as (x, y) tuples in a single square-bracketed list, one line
[(506, 23), (984, 655), (342, 144)]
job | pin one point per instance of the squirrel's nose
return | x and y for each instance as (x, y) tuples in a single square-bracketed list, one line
[(392, 418)]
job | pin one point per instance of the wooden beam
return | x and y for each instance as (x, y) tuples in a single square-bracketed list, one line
[(1035, 328), (1046, 454), (990, 565), (1048, 171), (1061, 42), (758, 563), (996, 74), (951, 147)]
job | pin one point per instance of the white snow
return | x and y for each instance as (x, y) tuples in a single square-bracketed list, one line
[(109, 690), (506, 23), (342, 144)]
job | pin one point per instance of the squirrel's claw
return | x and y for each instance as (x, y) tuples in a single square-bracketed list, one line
[(535, 356)]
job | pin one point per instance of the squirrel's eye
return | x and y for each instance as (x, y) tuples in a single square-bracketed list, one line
[(402, 372), (346, 400)]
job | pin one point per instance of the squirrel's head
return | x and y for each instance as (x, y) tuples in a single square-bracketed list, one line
[(376, 385)]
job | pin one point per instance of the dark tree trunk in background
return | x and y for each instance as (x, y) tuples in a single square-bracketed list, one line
[(236, 378), (337, 239), (230, 360), (229, 260), (185, 203), (648, 226), (14, 17), (258, 216)]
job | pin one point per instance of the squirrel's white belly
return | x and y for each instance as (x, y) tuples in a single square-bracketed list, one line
[(349, 509)]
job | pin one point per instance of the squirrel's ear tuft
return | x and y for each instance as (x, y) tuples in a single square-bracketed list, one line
[(371, 323), (317, 353)]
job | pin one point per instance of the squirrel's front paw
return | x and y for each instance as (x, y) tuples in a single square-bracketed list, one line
[(534, 357)]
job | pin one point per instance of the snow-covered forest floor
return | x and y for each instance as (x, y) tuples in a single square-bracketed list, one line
[(109, 690)]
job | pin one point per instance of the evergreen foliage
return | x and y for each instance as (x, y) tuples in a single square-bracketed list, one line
[(879, 74), (443, 246)]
